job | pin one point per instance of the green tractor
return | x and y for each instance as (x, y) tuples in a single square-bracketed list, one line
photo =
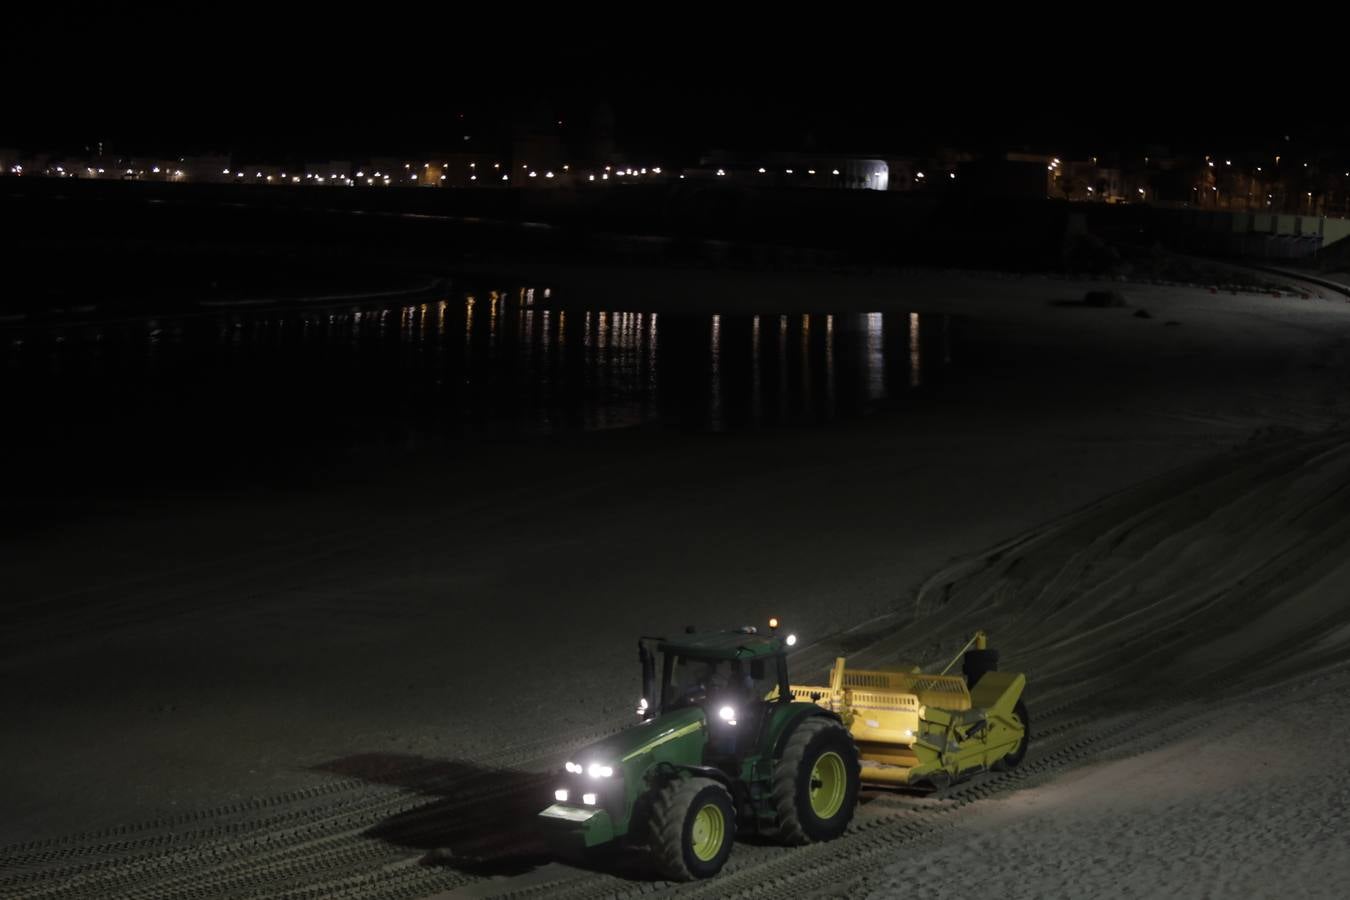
[(724, 749), (730, 747)]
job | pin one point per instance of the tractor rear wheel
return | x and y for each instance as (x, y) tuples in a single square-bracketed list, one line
[(1014, 759), (815, 782), (693, 825)]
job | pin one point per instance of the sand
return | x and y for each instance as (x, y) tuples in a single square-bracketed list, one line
[(1257, 812), (255, 693)]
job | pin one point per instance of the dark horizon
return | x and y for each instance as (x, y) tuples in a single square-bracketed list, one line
[(150, 85)]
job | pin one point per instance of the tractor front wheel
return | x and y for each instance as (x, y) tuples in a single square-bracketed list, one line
[(815, 782), (693, 825)]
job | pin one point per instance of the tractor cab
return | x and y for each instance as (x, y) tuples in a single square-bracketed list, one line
[(733, 676)]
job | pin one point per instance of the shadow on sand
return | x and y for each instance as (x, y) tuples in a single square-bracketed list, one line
[(479, 820)]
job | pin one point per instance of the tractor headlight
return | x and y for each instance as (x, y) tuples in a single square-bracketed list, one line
[(727, 714), (561, 795), (588, 799), (791, 640), (573, 768), (598, 771)]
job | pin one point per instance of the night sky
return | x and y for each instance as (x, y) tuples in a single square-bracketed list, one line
[(676, 84)]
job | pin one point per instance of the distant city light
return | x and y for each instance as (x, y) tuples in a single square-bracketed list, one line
[(590, 177), (720, 172), (656, 170), (761, 170), (919, 175), (834, 172)]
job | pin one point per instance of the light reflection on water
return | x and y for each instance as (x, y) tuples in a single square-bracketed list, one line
[(494, 360)]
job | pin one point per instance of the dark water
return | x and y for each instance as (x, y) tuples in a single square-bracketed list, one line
[(238, 389)]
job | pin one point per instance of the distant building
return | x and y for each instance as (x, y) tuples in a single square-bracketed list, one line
[(1004, 178), (206, 168)]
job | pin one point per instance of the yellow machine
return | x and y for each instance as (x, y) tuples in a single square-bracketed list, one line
[(914, 728)]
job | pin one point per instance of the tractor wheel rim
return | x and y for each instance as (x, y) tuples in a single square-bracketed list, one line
[(708, 832), (829, 783)]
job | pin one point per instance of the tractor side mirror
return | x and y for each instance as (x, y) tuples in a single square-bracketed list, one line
[(647, 705)]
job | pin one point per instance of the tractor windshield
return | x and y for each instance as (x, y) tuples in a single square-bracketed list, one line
[(694, 680)]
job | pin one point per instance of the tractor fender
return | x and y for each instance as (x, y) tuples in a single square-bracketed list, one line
[(787, 719), (673, 770)]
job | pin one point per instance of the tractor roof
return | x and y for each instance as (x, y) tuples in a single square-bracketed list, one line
[(724, 645)]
